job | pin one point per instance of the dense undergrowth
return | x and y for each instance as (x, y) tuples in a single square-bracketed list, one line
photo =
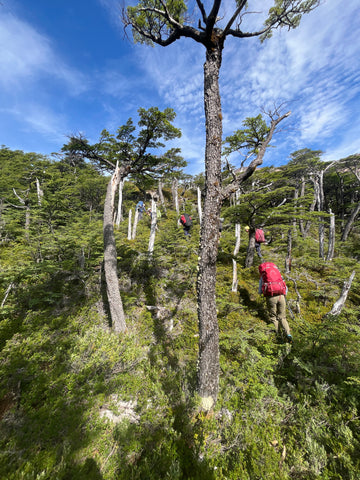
[(284, 411)]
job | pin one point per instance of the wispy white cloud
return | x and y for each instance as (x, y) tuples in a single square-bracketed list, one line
[(313, 69), (35, 82), (308, 69), (176, 74), (38, 117), (28, 56)]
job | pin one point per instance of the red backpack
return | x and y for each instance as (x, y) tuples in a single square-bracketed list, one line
[(259, 236), (186, 220), (272, 281)]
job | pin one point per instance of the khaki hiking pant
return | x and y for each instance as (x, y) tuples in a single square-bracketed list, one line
[(277, 312)]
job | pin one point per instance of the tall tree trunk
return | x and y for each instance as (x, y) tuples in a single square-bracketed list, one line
[(302, 194), (234, 286), (288, 254), (119, 216), (331, 245), (236, 251), (110, 257), (296, 197), (350, 223), (152, 227), (136, 219), (304, 230), (249, 260), (341, 199), (320, 209), (174, 191), (161, 195), (199, 204), (27, 220), (208, 364), (39, 191), (319, 204), (129, 225)]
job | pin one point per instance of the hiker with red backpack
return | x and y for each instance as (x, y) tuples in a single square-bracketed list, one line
[(186, 221), (274, 289), (259, 239)]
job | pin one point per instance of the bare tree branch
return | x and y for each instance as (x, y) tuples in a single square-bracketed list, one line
[(241, 176)]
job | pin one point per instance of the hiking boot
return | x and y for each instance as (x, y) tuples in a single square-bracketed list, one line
[(289, 338)]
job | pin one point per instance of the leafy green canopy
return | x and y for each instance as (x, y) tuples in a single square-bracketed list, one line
[(135, 149), (164, 22), (249, 138)]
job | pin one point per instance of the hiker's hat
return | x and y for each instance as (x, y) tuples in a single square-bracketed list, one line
[(247, 228)]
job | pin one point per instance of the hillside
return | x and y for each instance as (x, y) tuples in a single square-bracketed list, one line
[(78, 401)]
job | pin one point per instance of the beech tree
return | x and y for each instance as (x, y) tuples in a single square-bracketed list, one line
[(125, 154), (303, 166), (164, 22)]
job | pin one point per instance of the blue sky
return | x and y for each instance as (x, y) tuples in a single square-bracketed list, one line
[(66, 67)]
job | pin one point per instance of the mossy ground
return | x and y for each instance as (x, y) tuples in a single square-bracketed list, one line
[(284, 412)]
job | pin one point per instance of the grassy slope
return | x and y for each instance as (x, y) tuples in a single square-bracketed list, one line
[(283, 412)]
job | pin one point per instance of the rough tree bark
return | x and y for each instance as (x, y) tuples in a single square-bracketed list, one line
[(110, 257), (136, 219), (174, 191), (288, 254), (119, 216), (250, 252), (237, 245), (161, 195), (208, 364), (350, 223), (152, 227), (164, 23), (331, 245), (129, 225), (199, 204), (319, 206), (236, 251)]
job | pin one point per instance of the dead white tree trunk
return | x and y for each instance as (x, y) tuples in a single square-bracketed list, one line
[(39, 191), (152, 227), (8, 290), (318, 198), (236, 251), (237, 245), (136, 219), (129, 225), (26, 206), (119, 216), (110, 257), (339, 304), (331, 245), (304, 229), (174, 190), (199, 204)]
